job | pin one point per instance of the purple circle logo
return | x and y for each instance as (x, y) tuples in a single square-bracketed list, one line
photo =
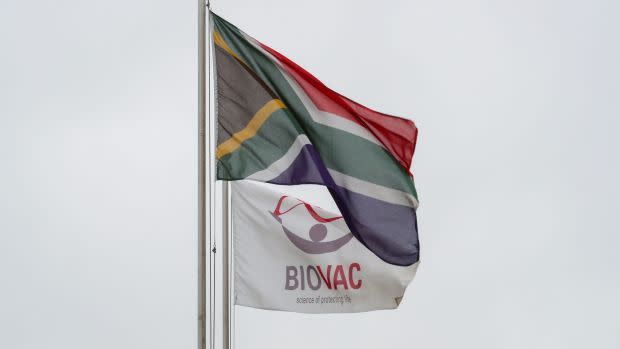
[(317, 233)]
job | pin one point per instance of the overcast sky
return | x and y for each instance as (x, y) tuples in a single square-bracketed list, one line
[(517, 168)]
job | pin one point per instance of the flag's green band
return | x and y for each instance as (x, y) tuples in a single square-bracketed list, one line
[(269, 144)]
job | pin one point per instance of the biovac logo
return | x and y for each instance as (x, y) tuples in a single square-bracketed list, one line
[(315, 277), (317, 233)]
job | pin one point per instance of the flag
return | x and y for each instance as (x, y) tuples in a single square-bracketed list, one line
[(293, 256), (279, 124)]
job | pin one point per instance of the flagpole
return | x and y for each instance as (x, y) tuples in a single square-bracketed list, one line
[(202, 195), (226, 248), (226, 279)]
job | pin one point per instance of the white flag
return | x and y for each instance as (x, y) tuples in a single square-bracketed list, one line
[(292, 256)]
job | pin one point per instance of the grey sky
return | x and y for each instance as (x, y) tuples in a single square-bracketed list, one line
[(516, 166)]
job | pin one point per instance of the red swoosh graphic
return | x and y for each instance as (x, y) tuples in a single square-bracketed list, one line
[(310, 209)]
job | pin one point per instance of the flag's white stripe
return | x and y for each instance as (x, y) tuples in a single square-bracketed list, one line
[(326, 118), (353, 184), (372, 190), (282, 163), (317, 115)]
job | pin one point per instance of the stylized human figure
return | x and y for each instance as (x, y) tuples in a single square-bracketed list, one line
[(317, 232)]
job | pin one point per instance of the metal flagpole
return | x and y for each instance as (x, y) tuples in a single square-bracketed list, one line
[(203, 147), (226, 265), (226, 257), (202, 224), (205, 183)]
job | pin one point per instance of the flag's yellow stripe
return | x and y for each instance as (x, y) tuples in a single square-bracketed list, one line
[(234, 142), (219, 41)]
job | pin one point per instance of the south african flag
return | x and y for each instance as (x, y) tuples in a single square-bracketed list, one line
[(279, 124)]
